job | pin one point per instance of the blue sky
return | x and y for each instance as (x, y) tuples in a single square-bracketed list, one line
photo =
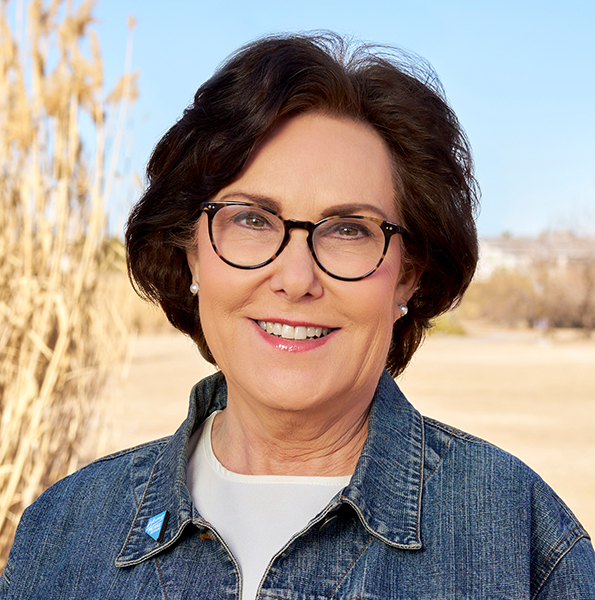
[(519, 74)]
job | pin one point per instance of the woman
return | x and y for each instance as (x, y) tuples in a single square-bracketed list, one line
[(304, 220)]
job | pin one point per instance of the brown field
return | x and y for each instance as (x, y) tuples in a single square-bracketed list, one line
[(532, 396)]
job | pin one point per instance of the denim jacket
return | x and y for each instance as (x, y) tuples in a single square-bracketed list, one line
[(430, 513)]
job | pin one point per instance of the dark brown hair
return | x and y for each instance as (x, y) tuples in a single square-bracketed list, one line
[(281, 76)]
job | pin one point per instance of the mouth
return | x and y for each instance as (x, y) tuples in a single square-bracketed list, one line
[(289, 332)]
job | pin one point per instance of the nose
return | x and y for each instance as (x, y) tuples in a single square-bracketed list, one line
[(295, 273)]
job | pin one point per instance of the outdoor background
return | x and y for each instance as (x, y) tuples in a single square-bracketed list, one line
[(519, 75), (86, 92)]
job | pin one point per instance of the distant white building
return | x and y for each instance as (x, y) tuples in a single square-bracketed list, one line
[(557, 249)]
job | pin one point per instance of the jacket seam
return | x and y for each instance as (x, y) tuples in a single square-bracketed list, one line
[(161, 577), (349, 567), (432, 422), (441, 457), (458, 433), (134, 479), (138, 509), (556, 562), (134, 449), (421, 481), (5, 573), (570, 515)]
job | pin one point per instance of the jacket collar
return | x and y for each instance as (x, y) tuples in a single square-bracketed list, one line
[(165, 487), (385, 490), (386, 487)]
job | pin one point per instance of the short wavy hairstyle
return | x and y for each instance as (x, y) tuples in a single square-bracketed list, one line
[(273, 79)]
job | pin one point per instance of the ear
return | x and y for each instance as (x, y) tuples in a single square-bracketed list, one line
[(192, 258), (192, 254), (404, 290)]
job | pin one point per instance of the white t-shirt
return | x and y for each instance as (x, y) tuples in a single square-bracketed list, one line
[(256, 515)]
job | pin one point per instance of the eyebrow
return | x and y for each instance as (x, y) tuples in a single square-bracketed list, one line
[(332, 211), (352, 208), (264, 201)]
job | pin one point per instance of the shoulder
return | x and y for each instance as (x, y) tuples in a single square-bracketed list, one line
[(92, 508), (497, 490), (463, 458), (104, 478), (446, 447)]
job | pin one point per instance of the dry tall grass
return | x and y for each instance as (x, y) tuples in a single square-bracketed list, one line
[(58, 329)]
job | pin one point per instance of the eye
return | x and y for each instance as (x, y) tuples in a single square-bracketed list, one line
[(348, 229), (251, 219)]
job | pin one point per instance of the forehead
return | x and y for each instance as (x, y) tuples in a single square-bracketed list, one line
[(314, 161)]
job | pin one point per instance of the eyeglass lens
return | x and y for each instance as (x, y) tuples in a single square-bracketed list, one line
[(249, 236)]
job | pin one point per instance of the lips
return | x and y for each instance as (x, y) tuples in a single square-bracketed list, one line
[(290, 332)]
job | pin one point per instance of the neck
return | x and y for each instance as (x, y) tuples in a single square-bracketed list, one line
[(273, 442)]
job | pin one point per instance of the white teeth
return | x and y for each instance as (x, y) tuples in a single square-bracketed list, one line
[(288, 332), (301, 333)]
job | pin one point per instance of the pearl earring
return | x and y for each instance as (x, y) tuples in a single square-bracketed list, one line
[(194, 288), (404, 310)]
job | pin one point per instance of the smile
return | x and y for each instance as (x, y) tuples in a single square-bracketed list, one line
[(289, 332)]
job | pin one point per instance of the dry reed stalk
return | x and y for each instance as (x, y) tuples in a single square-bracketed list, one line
[(58, 332)]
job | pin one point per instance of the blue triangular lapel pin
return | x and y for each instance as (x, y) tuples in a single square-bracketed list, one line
[(156, 525)]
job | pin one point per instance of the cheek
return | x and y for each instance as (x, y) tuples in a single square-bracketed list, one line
[(213, 274), (224, 293), (217, 296), (376, 305), (214, 308), (390, 291)]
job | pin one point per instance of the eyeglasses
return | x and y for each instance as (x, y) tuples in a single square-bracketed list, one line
[(348, 248)]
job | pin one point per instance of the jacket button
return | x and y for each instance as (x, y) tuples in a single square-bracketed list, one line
[(328, 520)]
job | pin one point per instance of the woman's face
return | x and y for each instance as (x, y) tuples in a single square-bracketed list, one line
[(309, 167)]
